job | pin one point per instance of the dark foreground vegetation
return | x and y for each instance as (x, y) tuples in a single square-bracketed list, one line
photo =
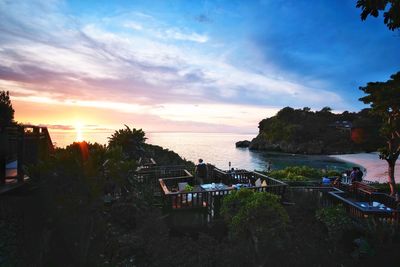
[(62, 219)]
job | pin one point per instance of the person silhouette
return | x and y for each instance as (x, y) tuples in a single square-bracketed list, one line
[(201, 172)]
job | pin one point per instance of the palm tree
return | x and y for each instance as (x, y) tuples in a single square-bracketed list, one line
[(131, 141)]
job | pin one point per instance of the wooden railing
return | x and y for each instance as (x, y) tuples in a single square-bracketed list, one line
[(347, 180), (150, 176), (209, 201), (356, 211), (146, 163)]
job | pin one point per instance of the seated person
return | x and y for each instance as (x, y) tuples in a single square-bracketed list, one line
[(326, 180)]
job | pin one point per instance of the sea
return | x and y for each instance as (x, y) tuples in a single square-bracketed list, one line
[(215, 148)]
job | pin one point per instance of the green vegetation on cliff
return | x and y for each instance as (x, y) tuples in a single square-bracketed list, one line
[(302, 173), (321, 132)]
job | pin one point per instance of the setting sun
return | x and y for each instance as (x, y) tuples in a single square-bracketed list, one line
[(79, 131)]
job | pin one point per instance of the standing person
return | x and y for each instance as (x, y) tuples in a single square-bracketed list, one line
[(359, 175), (201, 172), (269, 167), (232, 175), (353, 175)]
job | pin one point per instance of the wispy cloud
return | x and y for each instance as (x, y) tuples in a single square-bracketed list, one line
[(133, 25), (137, 66), (191, 36)]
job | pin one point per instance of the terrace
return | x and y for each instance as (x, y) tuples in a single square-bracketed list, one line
[(362, 201), (182, 194), (149, 176), (184, 200)]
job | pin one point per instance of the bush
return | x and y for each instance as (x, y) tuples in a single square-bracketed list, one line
[(336, 221), (301, 173), (294, 177), (258, 219)]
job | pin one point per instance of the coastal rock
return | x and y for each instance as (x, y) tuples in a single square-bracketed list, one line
[(302, 131), (244, 143), (314, 147)]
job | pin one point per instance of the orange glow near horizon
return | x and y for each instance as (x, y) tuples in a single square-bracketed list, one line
[(169, 117), (79, 131)]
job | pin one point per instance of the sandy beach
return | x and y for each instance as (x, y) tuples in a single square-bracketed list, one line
[(376, 168)]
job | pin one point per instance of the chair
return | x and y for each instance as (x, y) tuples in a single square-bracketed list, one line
[(182, 186)]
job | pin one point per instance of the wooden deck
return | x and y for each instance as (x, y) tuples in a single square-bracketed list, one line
[(208, 202), (149, 176), (365, 203)]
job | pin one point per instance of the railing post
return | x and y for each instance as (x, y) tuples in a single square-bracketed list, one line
[(3, 155), (2, 169), (20, 155)]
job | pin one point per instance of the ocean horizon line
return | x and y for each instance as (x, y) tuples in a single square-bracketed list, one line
[(150, 132)]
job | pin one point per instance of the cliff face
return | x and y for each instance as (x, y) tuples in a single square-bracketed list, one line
[(262, 143), (310, 147), (307, 132)]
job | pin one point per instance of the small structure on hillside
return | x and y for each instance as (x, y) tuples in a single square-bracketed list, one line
[(21, 145)]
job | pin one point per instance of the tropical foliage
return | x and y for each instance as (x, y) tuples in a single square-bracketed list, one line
[(257, 218), (302, 173), (336, 221), (131, 141), (390, 9), (6, 109), (384, 98), (304, 131)]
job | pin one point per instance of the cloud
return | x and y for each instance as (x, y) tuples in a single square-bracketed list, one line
[(133, 25), (58, 59), (58, 127), (190, 36)]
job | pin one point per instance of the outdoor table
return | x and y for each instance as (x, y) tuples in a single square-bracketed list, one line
[(214, 186), (374, 206)]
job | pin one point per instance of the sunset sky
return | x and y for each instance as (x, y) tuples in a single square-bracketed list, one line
[(212, 66)]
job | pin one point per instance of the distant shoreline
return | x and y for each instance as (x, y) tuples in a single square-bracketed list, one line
[(376, 168)]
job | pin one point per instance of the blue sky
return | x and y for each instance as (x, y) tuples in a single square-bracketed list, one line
[(187, 65)]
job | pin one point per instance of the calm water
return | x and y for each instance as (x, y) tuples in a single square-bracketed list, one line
[(215, 148)]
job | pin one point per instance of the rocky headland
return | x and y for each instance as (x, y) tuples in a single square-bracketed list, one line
[(302, 131)]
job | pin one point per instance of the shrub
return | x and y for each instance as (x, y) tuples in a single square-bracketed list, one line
[(336, 221), (257, 218), (301, 173), (294, 177)]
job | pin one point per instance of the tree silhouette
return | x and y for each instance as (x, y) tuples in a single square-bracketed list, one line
[(6, 109), (384, 98), (326, 109), (373, 7), (131, 141)]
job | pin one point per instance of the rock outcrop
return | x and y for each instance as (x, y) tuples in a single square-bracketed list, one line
[(302, 131), (244, 143)]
